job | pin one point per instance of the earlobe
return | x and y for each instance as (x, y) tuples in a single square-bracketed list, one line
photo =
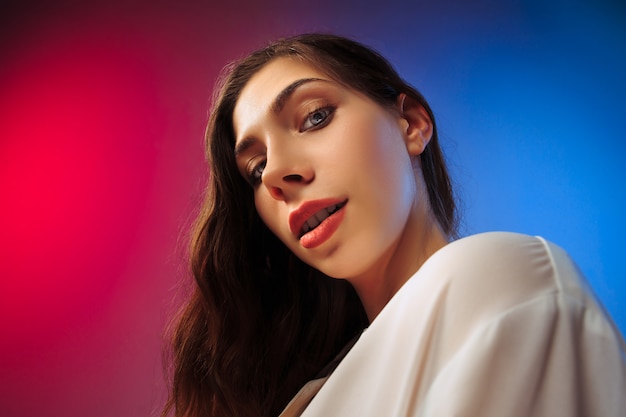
[(417, 124)]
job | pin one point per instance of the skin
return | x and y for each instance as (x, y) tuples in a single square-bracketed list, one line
[(302, 136)]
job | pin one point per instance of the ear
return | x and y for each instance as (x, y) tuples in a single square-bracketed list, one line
[(416, 124)]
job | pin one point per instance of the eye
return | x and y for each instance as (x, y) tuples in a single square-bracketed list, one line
[(255, 173), (317, 118)]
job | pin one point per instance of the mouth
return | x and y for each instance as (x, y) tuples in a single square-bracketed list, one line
[(311, 214), (318, 218)]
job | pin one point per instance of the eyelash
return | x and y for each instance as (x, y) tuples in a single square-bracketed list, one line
[(256, 170), (328, 112)]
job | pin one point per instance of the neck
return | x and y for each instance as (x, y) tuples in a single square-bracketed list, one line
[(421, 238)]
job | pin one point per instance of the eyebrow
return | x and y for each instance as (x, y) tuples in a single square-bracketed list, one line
[(243, 146), (277, 106), (283, 96)]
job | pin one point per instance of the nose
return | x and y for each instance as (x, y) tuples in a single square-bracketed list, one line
[(286, 172)]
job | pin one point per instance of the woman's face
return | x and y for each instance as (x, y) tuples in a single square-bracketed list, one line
[(332, 174)]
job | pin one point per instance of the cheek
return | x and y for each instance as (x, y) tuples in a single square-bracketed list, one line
[(382, 155), (268, 211), (389, 178), (261, 207), (274, 216)]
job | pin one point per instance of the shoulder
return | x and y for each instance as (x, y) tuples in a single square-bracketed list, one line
[(508, 266), (493, 283), (483, 278), (496, 311)]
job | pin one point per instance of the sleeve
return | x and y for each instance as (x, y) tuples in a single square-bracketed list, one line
[(551, 356)]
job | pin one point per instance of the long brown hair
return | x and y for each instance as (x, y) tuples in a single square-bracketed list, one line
[(260, 322)]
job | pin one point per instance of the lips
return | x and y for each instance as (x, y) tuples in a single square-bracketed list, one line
[(311, 214), (319, 217)]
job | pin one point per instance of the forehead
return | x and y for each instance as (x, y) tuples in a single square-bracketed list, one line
[(258, 95)]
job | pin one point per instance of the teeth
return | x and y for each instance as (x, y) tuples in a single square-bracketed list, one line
[(318, 217)]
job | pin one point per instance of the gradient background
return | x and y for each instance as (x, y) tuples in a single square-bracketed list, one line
[(102, 111)]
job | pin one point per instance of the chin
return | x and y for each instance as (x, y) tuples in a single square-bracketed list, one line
[(336, 261), (340, 269)]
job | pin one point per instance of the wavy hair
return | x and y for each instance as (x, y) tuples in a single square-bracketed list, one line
[(260, 323)]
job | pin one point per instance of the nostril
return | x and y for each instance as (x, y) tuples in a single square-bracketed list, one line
[(293, 178), (276, 193)]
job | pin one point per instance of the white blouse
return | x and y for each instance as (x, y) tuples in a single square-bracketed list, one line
[(492, 325)]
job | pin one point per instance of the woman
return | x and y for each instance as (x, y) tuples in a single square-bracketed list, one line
[(329, 210)]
